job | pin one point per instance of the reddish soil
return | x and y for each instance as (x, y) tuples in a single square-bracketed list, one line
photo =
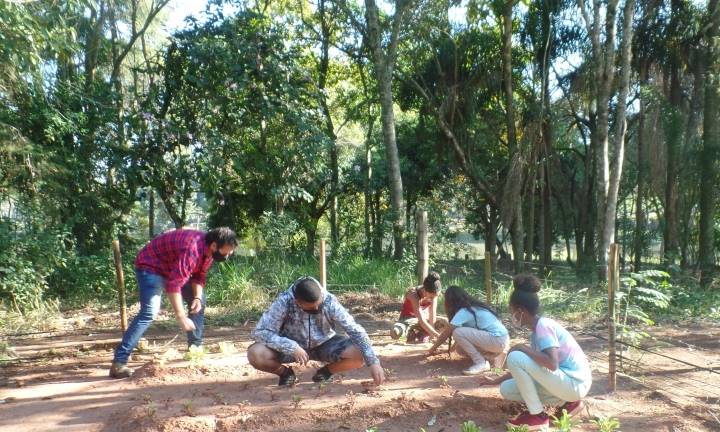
[(67, 389)]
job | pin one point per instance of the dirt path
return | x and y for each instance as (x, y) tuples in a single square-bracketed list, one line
[(71, 392)]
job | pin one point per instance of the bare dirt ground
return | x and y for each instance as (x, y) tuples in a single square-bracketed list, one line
[(63, 386)]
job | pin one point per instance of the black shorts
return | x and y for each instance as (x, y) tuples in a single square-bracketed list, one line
[(327, 352)]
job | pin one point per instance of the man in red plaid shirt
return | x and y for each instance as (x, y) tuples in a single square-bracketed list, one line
[(176, 262)]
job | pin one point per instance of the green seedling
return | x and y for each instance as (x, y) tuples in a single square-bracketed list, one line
[(151, 411), (372, 429), (188, 408), (296, 400), (226, 348), (195, 355), (443, 379), (564, 423), (219, 399), (522, 428), (607, 424), (470, 426)]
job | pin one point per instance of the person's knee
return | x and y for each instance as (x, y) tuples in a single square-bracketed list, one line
[(508, 389), (257, 355), (516, 359), (461, 332), (354, 355)]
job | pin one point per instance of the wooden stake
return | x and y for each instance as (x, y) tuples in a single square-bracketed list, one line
[(423, 256), (488, 278), (120, 284), (613, 287), (323, 276)]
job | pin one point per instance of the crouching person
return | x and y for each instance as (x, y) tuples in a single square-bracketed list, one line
[(300, 326)]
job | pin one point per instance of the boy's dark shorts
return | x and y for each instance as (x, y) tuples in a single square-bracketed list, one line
[(327, 352)]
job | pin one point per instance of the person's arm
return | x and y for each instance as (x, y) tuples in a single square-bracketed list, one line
[(196, 303), (422, 321), (355, 331), (433, 311), (547, 358), (268, 328), (185, 323), (446, 333)]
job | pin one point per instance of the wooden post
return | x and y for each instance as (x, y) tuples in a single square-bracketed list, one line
[(120, 284), (488, 278), (613, 286), (421, 223), (323, 274)]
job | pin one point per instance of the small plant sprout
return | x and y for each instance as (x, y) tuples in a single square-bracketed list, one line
[(195, 355), (607, 424), (443, 379), (470, 426), (523, 428), (151, 410), (226, 348), (188, 408), (372, 429), (296, 400), (146, 398), (564, 423)]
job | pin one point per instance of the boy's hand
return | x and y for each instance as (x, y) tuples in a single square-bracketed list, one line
[(377, 373), (185, 323), (301, 356)]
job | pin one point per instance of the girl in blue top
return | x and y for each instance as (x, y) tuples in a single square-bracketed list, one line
[(476, 328), (552, 370)]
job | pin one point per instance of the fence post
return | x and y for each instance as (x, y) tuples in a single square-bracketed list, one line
[(120, 284), (421, 223), (488, 278), (323, 274), (613, 286)]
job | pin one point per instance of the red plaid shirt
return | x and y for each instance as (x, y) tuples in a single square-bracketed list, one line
[(178, 256)]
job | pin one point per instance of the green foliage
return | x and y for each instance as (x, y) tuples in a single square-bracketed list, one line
[(606, 424), (522, 428), (470, 426), (564, 423), (195, 355), (640, 293)]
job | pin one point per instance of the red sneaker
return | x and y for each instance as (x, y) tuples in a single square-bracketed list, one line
[(572, 408), (532, 421)]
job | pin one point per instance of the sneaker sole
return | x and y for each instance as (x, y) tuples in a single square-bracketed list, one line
[(576, 411)]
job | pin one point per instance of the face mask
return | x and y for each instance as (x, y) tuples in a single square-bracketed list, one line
[(217, 256), (516, 321)]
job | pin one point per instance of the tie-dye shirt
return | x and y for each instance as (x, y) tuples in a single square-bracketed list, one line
[(572, 360)]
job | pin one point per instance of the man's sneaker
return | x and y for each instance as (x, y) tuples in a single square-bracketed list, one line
[(477, 368), (572, 408), (120, 370), (533, 422), (288, 378)]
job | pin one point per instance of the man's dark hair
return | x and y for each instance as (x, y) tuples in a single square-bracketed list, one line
[(307, 289), (432, 282), (222, 236)]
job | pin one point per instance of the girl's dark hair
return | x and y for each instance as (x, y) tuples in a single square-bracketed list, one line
[(525, 293), (457, 298), (432, 282)]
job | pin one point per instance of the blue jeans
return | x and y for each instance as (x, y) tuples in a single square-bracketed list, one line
[(150, 287), (194, 337)]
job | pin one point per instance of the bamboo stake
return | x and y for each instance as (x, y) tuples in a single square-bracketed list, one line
[(120, 284), (613, 286), (422, 246)]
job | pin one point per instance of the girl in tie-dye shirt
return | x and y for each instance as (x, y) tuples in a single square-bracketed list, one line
[(552, 370)]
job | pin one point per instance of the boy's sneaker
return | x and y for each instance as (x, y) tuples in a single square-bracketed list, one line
[(288, 378), (533, 422), (572, 408), (477, 368), (120, 370)]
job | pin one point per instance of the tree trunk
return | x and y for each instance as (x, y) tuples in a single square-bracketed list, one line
[(151, 213), (711, 148), (673, 138), (384, 62), (639, 239), (368, 182), (311, 236), (517, 231)]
